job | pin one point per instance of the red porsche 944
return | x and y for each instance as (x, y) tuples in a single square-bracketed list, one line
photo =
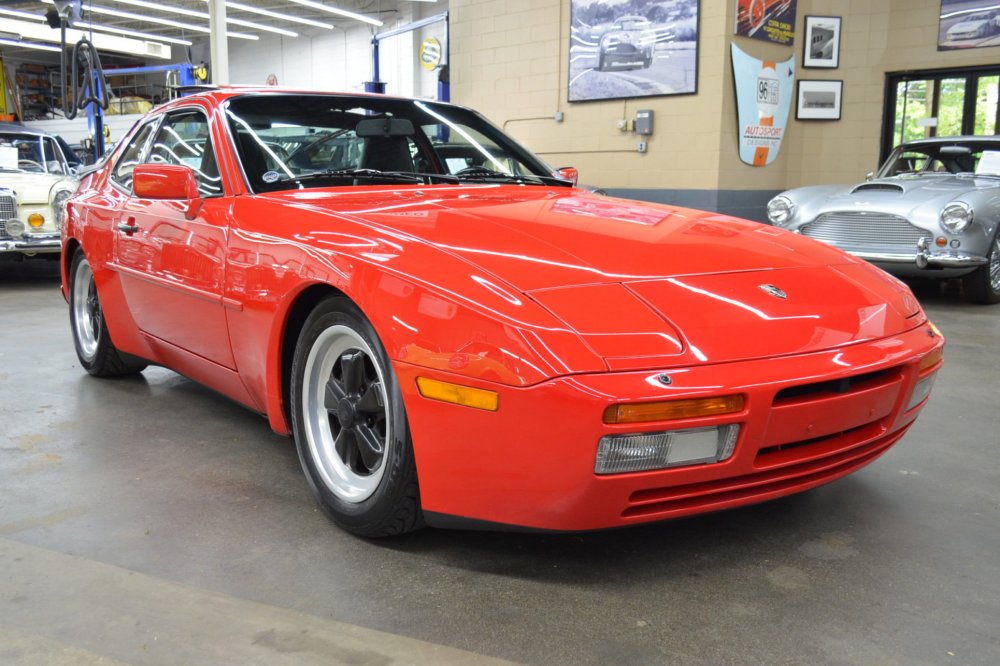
[(456, 335)]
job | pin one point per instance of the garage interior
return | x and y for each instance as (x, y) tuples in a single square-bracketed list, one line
[(148, 520)]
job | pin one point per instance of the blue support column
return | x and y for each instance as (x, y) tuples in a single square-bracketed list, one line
[(375, 86)]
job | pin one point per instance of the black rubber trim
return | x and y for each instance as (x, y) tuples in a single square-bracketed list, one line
[(448, 521)]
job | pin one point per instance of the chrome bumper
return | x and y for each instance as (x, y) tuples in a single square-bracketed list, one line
[(33, 245), (925, 257)]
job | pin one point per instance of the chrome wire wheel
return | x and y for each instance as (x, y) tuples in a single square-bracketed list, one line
[(995, 265), (345, 412), (87, 318)]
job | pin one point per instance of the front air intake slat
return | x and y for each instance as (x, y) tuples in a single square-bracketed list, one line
[(862, 230)]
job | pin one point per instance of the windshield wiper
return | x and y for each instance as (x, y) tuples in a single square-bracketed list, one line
[(484, 175), (355, 175)]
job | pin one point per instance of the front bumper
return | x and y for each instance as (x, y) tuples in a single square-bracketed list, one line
[(33, 244), (924, 257), (531, 464)]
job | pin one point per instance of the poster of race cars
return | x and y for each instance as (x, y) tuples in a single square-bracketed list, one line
[(632, 48), (770, 20), (968, 24)]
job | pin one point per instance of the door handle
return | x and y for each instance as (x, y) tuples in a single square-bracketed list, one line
[(128, 228)]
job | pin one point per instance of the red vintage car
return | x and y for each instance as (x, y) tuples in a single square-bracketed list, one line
[(482, 345)]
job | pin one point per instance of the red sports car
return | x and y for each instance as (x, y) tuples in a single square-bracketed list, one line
[(483, 345)]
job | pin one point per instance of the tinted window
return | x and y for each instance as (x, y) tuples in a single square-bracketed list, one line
[(293, 141)]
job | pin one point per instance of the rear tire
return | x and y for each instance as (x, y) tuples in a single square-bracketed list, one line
[(350, 424), (983, 284), (97, 353)]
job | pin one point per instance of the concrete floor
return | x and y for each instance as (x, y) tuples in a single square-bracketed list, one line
[(150, 521)]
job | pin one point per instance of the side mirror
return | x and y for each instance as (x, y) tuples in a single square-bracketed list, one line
[(572, 174), (167, 181), (870, 175)]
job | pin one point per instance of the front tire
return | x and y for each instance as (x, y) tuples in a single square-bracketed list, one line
[(983, 284), (350, 424), (97, 353)]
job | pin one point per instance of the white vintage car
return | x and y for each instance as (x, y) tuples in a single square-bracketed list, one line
[(37, 175)]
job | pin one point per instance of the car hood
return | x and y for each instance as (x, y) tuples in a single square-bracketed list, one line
[(910, 196), (648, 285), (32, 188), (968, 25), (536, 238)]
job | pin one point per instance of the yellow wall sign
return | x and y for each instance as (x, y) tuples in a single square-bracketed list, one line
[(430, 53)]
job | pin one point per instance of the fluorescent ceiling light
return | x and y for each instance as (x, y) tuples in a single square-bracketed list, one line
[(131, 33), (30, 45), (155, 19), (41, 32), (159, 7), (277, 15), (19, 14), (339, 12)]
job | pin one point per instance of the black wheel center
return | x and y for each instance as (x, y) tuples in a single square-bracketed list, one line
[(347, 413)]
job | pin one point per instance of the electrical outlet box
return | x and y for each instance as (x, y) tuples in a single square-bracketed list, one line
[(644, 122), (642, 147)]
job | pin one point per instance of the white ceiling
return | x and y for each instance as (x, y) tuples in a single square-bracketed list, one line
[(111, 14)]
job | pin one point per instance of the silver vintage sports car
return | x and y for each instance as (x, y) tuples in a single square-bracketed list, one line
[(932, 210)]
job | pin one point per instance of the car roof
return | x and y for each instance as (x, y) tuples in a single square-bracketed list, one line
[(22, 129), (221, 93)]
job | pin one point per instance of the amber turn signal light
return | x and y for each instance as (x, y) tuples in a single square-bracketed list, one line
[(932, 359), (670, 410), (458, 394), (36, 220)]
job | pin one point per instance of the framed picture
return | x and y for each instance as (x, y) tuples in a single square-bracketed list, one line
[(821, 46), (968, 24), (769, 20), (620, 50), (819, 100)]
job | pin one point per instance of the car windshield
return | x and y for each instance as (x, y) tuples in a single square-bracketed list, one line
[(298, 141), (981, 158), (30, 152), (632, 24)]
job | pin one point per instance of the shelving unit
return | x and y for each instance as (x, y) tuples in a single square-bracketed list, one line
[(36, 91)]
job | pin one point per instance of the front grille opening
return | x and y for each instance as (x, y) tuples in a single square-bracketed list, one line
[(837, 386), (809, 442)]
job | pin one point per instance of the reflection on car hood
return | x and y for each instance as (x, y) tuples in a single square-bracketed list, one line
[(915, 196), (537, 238), (931, 186), (31, 188), (643, 284)]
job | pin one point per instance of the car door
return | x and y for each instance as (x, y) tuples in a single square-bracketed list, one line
[(172, 260)]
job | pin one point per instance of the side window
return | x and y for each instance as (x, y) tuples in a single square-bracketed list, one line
[(184, 139), (130, 157)]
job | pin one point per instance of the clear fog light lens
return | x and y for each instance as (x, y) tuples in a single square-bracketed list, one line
[(617, 454), (921, 391)]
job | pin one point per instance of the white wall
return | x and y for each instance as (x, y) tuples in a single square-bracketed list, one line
[(341, 59)]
